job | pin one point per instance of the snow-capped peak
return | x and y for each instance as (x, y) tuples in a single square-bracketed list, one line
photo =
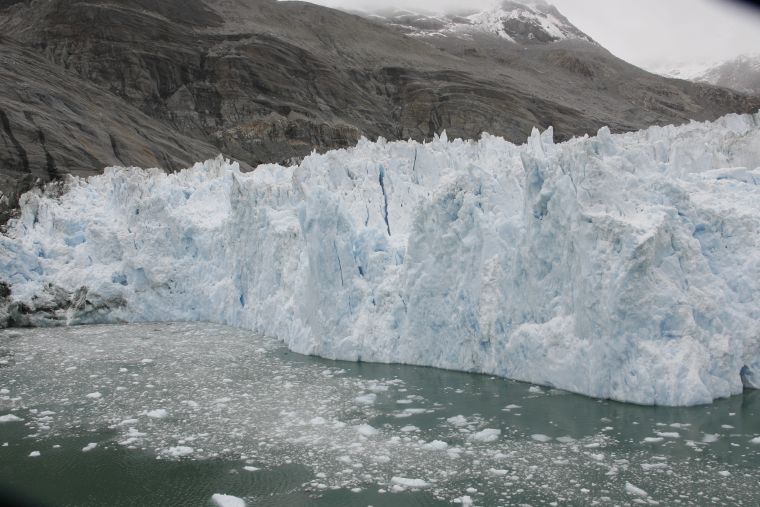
[(527, 21), (523, 22)]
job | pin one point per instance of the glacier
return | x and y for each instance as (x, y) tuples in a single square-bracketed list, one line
[(621, 266)]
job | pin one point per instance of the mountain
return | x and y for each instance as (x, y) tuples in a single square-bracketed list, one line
[(741, 74), (163, 83), (527, 22)]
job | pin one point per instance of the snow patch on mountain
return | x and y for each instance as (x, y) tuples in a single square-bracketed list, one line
[(617, 266)]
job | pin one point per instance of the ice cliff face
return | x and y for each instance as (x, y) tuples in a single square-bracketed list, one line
[(619, 266)]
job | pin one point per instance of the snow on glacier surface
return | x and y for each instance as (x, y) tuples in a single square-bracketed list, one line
[(619, 266)]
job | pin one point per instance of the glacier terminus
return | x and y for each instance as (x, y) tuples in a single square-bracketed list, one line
[(621, 266)]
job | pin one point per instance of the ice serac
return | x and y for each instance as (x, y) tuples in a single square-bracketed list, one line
[(618, 266)]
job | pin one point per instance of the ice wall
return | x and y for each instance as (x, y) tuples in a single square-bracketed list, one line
[(618, 266)]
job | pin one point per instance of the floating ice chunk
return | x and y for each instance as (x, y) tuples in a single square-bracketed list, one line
[(633, 490), (94, 396), (409, 483), (408, 412), (535, 390), (221, 500), (457, 420), (318, 421), (366, 399), (34, 454), (248, 468), (366, 430), (709, 438), (89, 447), (410, 428), (653, 466), (435, 445), (653, 440), (724, 473), (755, 440), (486, 435), (9, 418), (179, 451), (158, 413), (538, 437), (668, 434), (565, 440)]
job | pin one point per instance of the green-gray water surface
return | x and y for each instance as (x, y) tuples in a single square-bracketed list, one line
[(171, 414)]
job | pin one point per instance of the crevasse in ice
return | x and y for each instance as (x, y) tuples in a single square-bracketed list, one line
[(618, 266)]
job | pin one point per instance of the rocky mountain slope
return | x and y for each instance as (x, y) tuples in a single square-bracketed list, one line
[(52, 123), (163, 83)]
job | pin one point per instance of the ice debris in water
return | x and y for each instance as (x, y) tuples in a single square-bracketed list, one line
[(487, 435), (409, 483), (179, 451), (221, 500), (10, 418), (619, 266), (283, 412), (633, 490)]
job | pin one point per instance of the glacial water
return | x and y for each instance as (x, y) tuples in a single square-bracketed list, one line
[(171, 414)]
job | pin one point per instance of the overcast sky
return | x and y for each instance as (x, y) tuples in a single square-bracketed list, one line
[(648, 33)]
